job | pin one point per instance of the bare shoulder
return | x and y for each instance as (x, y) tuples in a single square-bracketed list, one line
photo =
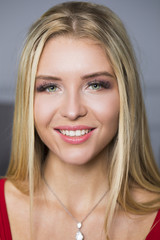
[(12, 193), (16, 201), (10, 188), (135, 226), (18, 210)]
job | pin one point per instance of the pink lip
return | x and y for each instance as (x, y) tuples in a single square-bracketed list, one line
[(74, 140), (73, 128)]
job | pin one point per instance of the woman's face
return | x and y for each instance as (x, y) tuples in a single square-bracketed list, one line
[(76, 105)]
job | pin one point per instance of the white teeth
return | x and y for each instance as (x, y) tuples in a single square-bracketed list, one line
[(83, 132), (72, 133), (76, 133)]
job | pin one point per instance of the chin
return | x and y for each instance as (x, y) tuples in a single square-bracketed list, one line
[(76, 161)]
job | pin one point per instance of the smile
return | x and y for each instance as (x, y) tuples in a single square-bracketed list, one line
[(76, 133)]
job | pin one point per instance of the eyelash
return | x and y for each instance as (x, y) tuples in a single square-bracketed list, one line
[(100, 83), (44, 87)]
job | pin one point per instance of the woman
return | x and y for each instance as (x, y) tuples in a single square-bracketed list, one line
[(81, 164)]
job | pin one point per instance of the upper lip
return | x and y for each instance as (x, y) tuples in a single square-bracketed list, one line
[(74, 128)]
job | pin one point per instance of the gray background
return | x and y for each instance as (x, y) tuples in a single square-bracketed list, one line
[(142, 20)]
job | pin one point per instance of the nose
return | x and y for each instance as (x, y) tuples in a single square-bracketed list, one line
[(73, 106)]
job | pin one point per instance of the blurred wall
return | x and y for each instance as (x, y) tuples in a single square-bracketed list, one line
[(142, 19)]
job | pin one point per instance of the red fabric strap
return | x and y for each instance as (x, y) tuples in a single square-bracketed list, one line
[(154, 234), (5, 232)]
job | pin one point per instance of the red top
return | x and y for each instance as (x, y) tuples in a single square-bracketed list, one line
[(5, 232)]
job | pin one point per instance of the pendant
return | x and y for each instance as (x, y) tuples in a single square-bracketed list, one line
[(79, 235)]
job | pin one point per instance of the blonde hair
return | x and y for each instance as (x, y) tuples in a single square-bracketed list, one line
[(132, 160)]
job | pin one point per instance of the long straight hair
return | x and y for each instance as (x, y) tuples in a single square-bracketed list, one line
[(131, 158)]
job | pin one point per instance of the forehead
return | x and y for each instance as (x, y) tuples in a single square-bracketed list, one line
[(71, 54)]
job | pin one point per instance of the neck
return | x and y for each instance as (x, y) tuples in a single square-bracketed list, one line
[(76, 185)]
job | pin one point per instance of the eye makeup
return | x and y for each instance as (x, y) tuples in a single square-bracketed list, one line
[(95, 84), (46, 86), (100, 84)]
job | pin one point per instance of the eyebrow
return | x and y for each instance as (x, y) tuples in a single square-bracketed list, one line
[(97, 74), (91, 75), (47, 77)]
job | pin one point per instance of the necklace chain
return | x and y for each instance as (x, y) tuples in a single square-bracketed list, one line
[(79, 224), (65, 208)]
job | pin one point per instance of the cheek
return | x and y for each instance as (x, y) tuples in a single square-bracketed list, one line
[(43, 111), (107, 109), (109, 119)]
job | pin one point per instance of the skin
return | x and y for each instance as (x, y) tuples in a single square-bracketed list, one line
[(73, 102), (76, 172)]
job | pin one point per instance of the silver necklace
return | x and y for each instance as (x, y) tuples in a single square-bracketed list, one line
[(79, 235)]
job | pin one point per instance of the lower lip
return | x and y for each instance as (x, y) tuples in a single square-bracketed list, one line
[(76, 140)]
